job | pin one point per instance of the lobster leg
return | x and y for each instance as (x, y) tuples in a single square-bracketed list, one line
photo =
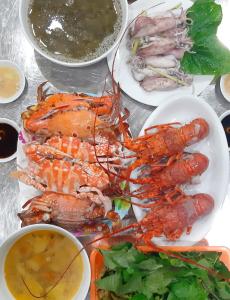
[(40, 93), (25, 178)]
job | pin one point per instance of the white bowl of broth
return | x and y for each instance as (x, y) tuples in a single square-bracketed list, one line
[(74, 33), (34, 258), (12, 81)]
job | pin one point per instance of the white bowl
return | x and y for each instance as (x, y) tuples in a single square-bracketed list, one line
[(222, 88), (13, 124), (5, 247), (23, 15), (226, 113), (7, 63)]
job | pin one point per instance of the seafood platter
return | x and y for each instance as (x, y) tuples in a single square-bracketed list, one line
[(99, 207)]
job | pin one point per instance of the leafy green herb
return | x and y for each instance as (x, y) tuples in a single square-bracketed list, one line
[(133, 275), (121, 203), (208, 55)]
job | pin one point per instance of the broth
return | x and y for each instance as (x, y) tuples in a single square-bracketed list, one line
[(9, 82), (75, 30), (40, 257)]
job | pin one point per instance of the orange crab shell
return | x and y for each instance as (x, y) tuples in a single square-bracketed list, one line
[(68, 114)]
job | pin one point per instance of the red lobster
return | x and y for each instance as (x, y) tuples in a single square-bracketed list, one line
[(179, 172), (167, 142), (169, 219)]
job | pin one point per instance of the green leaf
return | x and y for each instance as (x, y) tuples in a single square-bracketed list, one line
[(122, 258), (133, 285), (139, 297), (223, 290), (188, 289), (110, 283), (127, 274), (208, 55), (206, 16), (176, 262), (157, 282), (171, 296), (120, 203), (149, 264)]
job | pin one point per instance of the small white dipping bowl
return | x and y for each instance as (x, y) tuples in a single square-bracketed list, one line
[(22, 81), (13, 124), (225, 114), (222, 88), (24, 20), (6, 246)]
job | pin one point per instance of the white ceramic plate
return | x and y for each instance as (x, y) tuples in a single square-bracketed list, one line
[(122, 73), (215, 180)]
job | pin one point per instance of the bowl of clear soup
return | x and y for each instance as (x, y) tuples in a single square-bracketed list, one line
[(74, 33)]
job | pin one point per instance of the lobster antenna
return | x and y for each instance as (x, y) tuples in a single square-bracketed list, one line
[(58, 280)]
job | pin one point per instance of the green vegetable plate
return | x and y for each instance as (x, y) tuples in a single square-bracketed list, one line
[(191, 273)]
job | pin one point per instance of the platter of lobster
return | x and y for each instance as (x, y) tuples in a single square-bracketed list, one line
[(189, 175), (79, 167)]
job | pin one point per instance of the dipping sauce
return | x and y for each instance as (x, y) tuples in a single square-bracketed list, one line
[(75, 30), (8, 140), (9, 82), (226, 124), (40, 257), (227, 84)]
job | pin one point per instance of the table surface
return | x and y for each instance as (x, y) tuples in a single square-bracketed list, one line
[(37, 69)]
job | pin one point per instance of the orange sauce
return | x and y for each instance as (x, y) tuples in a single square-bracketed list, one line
[(9, 82), (227, 84)]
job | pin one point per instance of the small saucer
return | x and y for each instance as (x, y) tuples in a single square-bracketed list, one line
[(7, 63), (16, 127)]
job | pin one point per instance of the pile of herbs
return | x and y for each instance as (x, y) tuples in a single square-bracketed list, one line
[(131, 274), (208, 55)]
